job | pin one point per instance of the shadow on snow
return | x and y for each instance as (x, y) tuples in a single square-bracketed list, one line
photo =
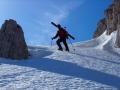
[(66, 68)]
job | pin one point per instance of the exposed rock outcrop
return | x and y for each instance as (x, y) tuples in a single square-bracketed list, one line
[(111, 21), (12, 42), (101, 27), (117, 14)]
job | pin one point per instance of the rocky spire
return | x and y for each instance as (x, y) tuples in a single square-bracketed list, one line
[(12, 42)]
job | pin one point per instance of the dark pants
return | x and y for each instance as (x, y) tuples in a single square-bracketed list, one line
[(64, 42)]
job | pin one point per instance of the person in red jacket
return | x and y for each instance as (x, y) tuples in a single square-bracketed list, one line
[(63, 35)]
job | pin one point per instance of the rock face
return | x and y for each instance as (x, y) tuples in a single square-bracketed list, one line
[(101, 27), (109, 19), (111, 22), (117, 15), (12, 42)]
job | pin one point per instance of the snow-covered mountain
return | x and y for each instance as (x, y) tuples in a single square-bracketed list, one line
[(90, 65)]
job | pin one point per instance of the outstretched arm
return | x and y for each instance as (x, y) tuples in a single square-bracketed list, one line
[(55, 36), (71, 36)]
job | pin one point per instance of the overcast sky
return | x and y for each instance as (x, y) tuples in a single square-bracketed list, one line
[(79, 16)]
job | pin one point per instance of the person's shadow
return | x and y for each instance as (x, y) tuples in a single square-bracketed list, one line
[(43, 63)]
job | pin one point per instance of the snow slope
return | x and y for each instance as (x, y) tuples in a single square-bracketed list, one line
[(94, 65)]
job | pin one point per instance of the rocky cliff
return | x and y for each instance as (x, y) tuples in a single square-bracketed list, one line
[(111, 21), (101, 27), (12, 42)]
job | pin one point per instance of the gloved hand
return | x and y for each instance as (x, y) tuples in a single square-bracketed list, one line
[(52, 38), (73, 38)]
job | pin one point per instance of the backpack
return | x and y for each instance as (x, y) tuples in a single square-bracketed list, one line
[(63, 33)]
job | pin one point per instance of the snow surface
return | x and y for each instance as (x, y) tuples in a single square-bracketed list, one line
[(94, 65)]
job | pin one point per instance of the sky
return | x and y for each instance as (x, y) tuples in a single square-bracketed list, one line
[(79, 16)]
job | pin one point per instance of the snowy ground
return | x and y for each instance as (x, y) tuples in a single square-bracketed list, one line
[(94, 65)]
